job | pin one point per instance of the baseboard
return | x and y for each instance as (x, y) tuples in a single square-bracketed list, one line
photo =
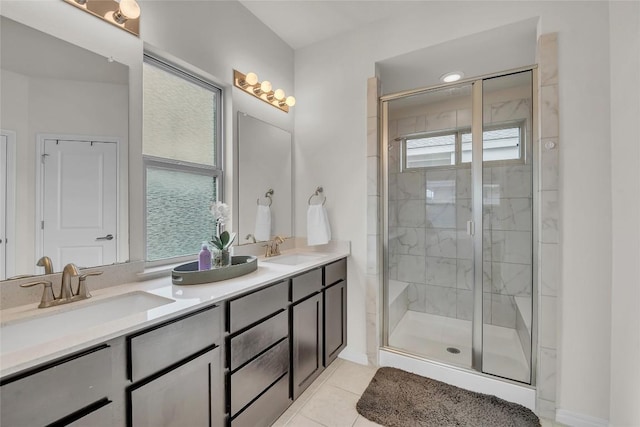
[(354, 356), (575, 419)]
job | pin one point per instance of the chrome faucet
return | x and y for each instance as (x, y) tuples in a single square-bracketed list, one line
[(49, 299), (250, 237)]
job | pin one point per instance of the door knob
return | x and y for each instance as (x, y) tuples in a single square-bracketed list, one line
[(107, 237)]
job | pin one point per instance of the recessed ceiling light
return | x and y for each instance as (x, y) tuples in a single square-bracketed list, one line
[(453, 76)]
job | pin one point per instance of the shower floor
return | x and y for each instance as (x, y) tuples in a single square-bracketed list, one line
[(429, 336)]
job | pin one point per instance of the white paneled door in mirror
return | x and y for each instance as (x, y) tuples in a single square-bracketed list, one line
[(79, 202)]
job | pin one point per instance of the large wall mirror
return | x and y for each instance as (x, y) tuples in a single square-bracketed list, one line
[(264, 180), (63, 158)]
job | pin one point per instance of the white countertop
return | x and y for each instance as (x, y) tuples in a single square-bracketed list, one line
[(187, 298)]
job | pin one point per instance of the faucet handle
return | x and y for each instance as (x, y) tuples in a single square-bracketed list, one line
[(268, 249), (91, 273), (47, 293), (277, 241), (83, 292)]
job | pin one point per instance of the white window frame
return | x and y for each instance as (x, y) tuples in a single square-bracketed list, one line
[(458, 132), (215, 171)]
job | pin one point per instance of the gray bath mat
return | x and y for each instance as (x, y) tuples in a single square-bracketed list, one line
[(396, 398)]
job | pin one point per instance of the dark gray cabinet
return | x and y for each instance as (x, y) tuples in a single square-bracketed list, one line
[(177, 372), (258, 356), (306, 343), (183, 396), (306, 330), (335, 309), (67, 389), (335, 320), (99, 415)]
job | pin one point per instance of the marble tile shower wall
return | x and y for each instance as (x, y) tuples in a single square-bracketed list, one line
[(429, 248)]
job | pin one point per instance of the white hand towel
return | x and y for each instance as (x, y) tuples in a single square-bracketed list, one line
[(262, 231), (318, 230)]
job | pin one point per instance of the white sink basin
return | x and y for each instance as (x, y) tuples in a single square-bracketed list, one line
[(72, 318), (293, 259)]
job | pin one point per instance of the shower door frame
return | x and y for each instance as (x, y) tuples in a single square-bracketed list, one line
[(476, 176)]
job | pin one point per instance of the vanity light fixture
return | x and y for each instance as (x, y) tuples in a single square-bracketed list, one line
[(124, 14), (263, 90), (451, 77)]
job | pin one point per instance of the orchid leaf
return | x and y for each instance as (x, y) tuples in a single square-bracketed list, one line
[(215, 241)]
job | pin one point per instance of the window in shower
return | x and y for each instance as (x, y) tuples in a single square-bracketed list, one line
[(427, 151), (501, 142), (504, 142)]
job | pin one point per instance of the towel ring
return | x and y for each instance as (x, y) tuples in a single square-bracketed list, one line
[(317, 193), (267, 195)]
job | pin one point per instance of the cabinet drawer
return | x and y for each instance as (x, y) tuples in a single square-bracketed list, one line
[(264, 411), (54, 391), (257, 305), (255, 377), (335, 272), (159, 347), (249, 343), (185, 396), (306, 284)]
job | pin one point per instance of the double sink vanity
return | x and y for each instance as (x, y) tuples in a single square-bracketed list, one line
[(235, 352)]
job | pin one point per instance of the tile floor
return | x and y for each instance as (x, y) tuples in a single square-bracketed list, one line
[(331, 399)]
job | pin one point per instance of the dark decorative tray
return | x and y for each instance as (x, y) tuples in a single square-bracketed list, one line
[(188, 274)]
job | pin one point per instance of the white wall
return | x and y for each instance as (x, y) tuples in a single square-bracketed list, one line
[(331, 150), (625, 176), (14, 116)]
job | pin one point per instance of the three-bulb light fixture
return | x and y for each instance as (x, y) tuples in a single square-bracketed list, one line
[(121, 13), (263, 90)]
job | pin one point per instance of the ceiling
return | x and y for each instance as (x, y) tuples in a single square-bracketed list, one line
[(301, 23)]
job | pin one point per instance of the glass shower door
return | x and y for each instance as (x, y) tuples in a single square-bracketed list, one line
[(459, 224), (507, 211), (430, 298)]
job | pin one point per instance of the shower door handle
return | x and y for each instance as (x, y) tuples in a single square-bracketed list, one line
[(471, 228)]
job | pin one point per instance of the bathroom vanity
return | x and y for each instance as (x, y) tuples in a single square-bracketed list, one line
[(232, 353)]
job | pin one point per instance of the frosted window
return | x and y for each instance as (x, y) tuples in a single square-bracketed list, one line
[(179, 118), (183, 169), (178, 217)]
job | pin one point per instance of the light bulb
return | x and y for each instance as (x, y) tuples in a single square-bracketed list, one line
[(290, 101), (251, 79), (265, 86), (129, 9), (279, 94)]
